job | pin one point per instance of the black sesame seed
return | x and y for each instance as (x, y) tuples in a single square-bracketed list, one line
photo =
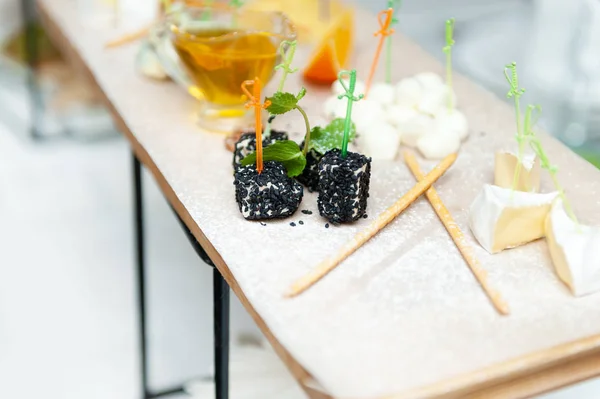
[(343, 186), (293, 224), (326, 225), (256, 201), (310, 174), (306, 212), (365, 216), (301, 222), (263, 224), (247, 144)]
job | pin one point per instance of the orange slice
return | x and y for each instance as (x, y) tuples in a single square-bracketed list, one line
[(333, 51)]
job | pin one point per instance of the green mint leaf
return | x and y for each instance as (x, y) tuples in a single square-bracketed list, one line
[(323, 139), (281, 103), (285, 151), (301, 94)]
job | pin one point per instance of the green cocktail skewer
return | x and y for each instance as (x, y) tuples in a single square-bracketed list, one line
[(395, 5), (349, 94), (285, 66), (515, 92), (287, 61), (448, 50), (536, 146)]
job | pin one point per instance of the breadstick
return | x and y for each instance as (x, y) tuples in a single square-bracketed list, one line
[(128, 38), (457, 236), (382, 220)]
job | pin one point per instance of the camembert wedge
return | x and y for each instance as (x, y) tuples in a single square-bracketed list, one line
[(575, 251), (529, 176), (501, 218)]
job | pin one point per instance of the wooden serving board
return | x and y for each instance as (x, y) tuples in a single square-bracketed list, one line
[(401, 318)]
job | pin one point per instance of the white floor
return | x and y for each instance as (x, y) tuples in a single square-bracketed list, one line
[(67, 304)]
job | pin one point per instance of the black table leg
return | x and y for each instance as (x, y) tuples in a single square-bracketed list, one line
[(30, 50), (220, 321), (221, 330), (141, 275), (220, 302)]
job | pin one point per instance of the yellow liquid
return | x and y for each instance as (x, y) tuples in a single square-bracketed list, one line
[(220, 68)]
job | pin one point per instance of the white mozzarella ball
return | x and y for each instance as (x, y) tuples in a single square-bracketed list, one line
[(337, 89), (429, 80), (334, 108), (415, 128), (434, 100), (365, 113), (380, 141), (408, 92), (453, 121), (382, 93), (438, 144), (398, 115)]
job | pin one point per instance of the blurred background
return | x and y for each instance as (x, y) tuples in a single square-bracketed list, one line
[(67, 300)]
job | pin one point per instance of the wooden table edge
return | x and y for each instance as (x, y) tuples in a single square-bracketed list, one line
[(522, 377)]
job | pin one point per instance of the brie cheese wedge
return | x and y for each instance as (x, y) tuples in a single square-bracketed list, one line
[(501, 218), (575, 251), (529, 175)]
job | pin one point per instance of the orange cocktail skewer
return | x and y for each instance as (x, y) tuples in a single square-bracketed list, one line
[(385, 20), (254, 101)]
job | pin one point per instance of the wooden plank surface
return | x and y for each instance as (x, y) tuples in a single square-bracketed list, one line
[(539, 364)]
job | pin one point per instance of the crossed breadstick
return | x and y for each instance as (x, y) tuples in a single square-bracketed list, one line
[(457, 236), (424, 184), (362, 237)]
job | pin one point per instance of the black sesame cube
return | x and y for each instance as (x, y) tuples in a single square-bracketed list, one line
[(343, 186), (268, 195), (247, 144), (310, 174)]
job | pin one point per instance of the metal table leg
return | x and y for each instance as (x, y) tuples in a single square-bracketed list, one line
[(220, 302), (221, 319), (141, 275), (221, 331), (31, 57)]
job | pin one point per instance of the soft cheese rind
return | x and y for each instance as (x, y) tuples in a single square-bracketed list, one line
[(529, 175), (501, 218), (575, 251)]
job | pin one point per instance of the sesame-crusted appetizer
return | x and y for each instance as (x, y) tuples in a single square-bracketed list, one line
[(344, 176), (343, 186), (270, 194)]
